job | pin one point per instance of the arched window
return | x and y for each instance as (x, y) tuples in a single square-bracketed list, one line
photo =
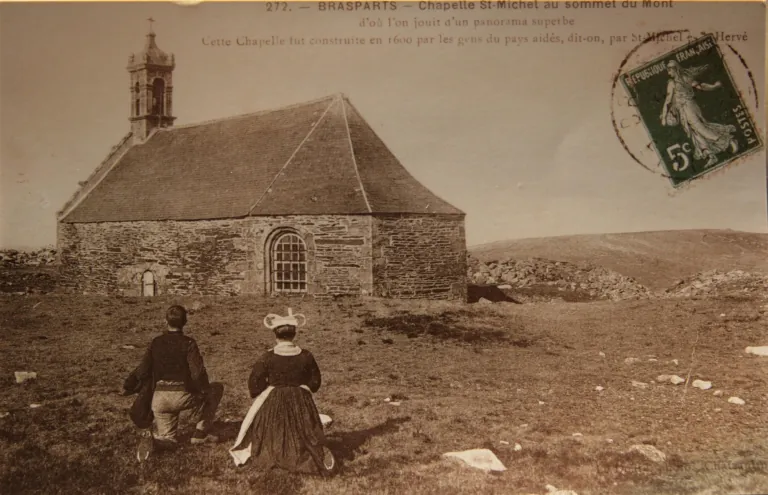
[(288, 263), (158, 97), (137, 100), (148, 284)]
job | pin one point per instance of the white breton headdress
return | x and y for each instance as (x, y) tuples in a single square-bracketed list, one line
[(273, 321)]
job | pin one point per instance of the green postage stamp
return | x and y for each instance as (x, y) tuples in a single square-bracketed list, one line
[(694, 114)]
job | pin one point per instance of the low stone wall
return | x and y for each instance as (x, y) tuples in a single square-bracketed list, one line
[(420, 256)]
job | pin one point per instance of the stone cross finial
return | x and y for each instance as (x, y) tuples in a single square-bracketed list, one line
[(150, 24)]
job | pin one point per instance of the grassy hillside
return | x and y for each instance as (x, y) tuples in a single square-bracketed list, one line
[(655, 259), (465, 376)]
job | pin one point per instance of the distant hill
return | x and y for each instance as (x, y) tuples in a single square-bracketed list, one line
[(655, 259)]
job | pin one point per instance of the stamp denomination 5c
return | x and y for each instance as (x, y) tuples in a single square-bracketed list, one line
[(692, 110)]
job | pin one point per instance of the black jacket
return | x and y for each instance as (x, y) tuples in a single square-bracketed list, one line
[(172, 362)]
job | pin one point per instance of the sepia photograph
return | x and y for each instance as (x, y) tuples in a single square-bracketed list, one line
[(439, 247)]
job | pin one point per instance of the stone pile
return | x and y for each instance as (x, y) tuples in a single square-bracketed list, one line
[(11, 258), (597, 282), (715, 282)]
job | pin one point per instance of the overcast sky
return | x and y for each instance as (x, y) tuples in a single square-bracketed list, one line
[(519, 137)]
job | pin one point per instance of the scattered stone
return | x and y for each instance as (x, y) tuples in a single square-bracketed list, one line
[(35, 406), (503, 442), (717, 409), (588, 280), (609, 440), (599, 388), (483, 300), (675, 362), (602, 354), (4, 414), (757, 351), (717, 393), (518, 447), (663, 378), (551, 490), (23, 376), (394, 403), (541, 403), (652, 360), (128, 346), (631, 360), (701, 384), (649, 452), (577, 435), (676, 380), (639, 384), (505, 286), (736, 400), (478, 458)]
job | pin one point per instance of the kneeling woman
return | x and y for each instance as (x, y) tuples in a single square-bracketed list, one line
[(282, 428)]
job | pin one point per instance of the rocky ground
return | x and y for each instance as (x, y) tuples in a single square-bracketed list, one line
[(536, 279)]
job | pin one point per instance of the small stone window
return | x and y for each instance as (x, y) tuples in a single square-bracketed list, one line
[(148, 284), (288, 262)]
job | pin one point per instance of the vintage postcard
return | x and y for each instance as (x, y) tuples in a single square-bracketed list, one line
[(514, 247)]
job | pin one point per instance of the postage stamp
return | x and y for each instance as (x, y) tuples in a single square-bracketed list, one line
[(694, 114)]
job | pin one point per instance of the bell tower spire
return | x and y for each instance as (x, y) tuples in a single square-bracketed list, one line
[(151, 88)]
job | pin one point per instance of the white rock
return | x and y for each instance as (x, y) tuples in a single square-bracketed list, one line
[(23, 376), (541, 403), (717, 409), (503, 442), (609, 440), (599, 388), (518, 447), (737, 401), (387, 399), (717, 393), (675, 362), (394, 403), (631, 360), (639, 384), (128, 346), (722, 315), (483, 300), (35, 406), (757, 351), (478, 458), (652, 360), (4, 414), (578, 435), (602, 354), (663, 378), (701, 384), (649, 452), (676, 380), (551, 490), (505, 286), (325, 419)]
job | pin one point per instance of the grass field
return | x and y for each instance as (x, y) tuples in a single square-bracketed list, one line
[(466, 376)]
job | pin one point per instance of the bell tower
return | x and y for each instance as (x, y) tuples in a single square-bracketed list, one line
[(151, 88)]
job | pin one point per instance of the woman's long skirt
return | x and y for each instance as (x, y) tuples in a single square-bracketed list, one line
[(285, 432)]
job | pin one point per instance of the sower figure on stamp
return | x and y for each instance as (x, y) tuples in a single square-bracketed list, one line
[(170, 379), (708, 138), (283, 429)]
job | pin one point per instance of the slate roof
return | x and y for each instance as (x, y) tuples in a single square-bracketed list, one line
[(314, 158)]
